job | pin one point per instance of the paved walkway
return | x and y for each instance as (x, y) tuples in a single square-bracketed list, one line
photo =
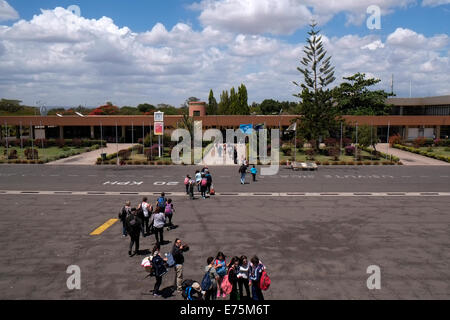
[(218, 157), (90, 158), (409, 158)]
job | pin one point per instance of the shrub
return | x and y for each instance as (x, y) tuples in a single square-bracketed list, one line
[(77, 143), (13, 154), (286, 149), (350, 163), (350, 150), (310, 153), (367, 163), (325, 163), (41, 142), (346, 141), (419, 142), (331, 142), (31, 153), (395, 139), (125, 154), (60, 143)]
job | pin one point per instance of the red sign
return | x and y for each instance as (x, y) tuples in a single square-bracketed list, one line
[(159, 128)]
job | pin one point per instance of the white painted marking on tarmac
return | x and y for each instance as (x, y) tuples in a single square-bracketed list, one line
[(238, 194)]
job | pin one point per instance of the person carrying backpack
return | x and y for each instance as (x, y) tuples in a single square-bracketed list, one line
[(221, 268), (161, 202), (159, 268), (134, 230), (255, 273), (204, 184), (168, 212), (191, 290), (209, 282), (123, 214), (233, 269)]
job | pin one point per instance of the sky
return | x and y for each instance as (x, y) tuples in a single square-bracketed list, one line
[(87, 52)]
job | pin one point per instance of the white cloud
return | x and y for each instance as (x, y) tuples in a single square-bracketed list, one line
[(434, 3), (285, 16), (64, 59), (7, 12)]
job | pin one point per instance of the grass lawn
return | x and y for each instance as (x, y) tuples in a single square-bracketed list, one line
[(51, 153), (301, 157)]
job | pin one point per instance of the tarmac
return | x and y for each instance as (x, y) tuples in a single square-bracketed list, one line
[(314, 247)]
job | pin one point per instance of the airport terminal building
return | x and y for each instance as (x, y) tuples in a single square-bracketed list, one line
[(410, 117)]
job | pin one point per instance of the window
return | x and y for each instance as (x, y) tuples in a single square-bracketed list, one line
[(196, 113)]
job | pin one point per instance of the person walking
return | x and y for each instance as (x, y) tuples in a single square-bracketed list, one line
[(177, 252), (243, 171), (159, 220), (210, 294), (221, 268), (146, 214), (123, 214), (203, 186), (186, 183), (191, 189), (253, 171), (243, 277), (134, 225), (198, 179), (168, 211), (159, 268), (162, 201), (208, 182), (256, 269), (233, 269)]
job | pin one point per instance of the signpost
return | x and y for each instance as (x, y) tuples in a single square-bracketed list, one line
[(159, 128)]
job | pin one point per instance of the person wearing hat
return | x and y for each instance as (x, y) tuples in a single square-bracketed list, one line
[(134, 225), (193, 292)]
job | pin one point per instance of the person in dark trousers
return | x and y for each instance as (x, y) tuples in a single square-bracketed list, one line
[(243, 280), (233, 269), (186, 183), (145, 214), (203, 186), (134, 225), (191, 189), (211, 293), (159, 220), (177, 252), (162, 201), (159, 268), (123, 214), (208, 182), (256, 270), (253, 171), (243, 171)]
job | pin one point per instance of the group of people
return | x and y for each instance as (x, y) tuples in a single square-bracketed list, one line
[(159, 265), (146, 219), (202, 180), (243, 169), (241, 274)]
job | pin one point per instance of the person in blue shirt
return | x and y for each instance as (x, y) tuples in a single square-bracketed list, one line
[(253, 171)]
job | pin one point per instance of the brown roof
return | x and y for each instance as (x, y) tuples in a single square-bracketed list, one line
[(419, 102), (209, 121)]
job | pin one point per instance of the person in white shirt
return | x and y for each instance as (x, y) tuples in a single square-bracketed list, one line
[(147, 211), (243, 279)]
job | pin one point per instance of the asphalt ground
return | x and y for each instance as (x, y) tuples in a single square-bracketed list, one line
[(313, 247)]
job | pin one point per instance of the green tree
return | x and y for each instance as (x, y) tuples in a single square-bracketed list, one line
[(224, 104), (355, 98), (242, 101), (146, 107), (270, 106), (129, 111), (318, 115), (367, 136), (212, 107)]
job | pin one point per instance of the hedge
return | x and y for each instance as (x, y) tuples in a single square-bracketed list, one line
[(53, 143), (423, 153)]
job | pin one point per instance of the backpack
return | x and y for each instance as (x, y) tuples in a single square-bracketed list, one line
[(161, 202), (168, 209), (158, 265), (226, 285), (264, 282), (170, 260), (204, 182), (186, 289), (206, 281), (222, 271)]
